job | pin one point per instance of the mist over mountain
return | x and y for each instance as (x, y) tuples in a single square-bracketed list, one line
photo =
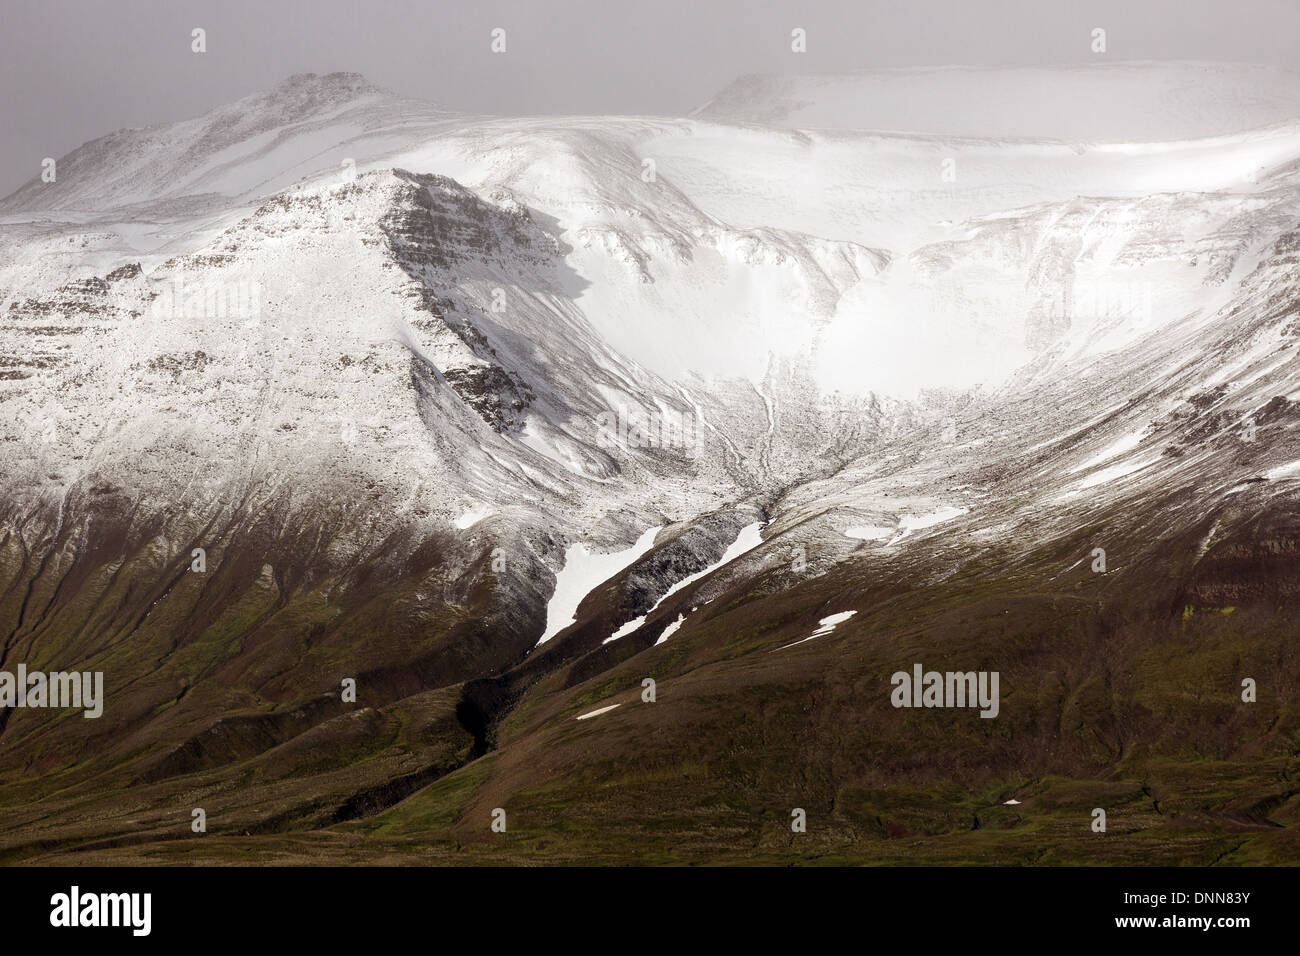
[(1108, 102)]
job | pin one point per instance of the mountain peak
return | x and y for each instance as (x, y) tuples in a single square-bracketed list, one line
[(305, 123), (338, 83), (304, 94)]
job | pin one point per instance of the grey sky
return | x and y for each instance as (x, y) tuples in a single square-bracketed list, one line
[(72, 70)]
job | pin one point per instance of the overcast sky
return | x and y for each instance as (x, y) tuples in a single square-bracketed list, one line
[(73, 70)]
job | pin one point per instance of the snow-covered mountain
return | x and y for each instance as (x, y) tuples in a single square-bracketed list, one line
[(479, 408)]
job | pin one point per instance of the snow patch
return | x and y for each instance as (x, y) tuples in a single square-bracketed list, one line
[(472, 517), (582, 572), (1113, 473), (671, 629), (1283, 471), (626, 629), (1113, 450), (596, 713), (910, 523), (825, 626), (869, 532)]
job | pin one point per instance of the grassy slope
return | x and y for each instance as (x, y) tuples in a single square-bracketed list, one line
[(1118, 691)]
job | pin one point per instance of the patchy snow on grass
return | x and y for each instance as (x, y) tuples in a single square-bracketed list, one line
[(596, 713), (750, 537), (583, 571), (907, 524), (824, 627)]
